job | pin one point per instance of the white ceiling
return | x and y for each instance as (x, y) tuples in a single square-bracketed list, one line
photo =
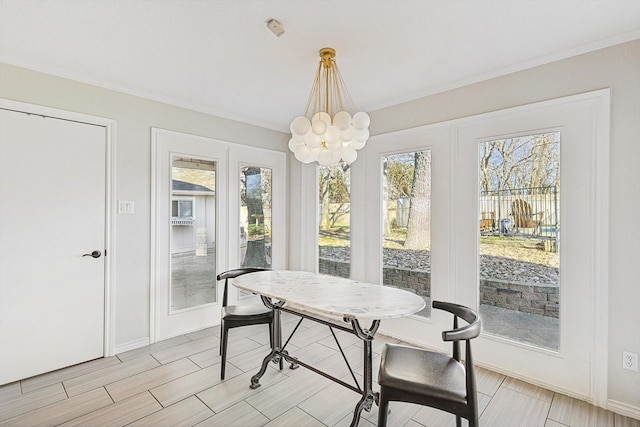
[(218, 56)]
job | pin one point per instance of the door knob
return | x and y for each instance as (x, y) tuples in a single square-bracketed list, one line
[(94, 254)]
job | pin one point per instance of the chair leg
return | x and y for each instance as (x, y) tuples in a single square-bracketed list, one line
[(223, 350), (383, 409), (221, 334), (473, 421)]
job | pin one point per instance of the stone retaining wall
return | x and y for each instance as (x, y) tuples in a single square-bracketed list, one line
[(334, 268), (539, 298), (419, 281), (536, 298)]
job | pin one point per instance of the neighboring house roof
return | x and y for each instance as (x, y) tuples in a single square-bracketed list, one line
[(187, 186)]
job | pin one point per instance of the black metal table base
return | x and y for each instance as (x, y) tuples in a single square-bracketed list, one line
[(279, 353)]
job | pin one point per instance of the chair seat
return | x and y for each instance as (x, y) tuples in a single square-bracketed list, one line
[(423, 372), (246, 312)]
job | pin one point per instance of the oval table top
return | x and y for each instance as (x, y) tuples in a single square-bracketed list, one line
[(334, 296)]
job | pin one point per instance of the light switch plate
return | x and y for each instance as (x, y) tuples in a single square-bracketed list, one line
[(126, 207)]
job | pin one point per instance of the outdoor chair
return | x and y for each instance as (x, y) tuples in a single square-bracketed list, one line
[(234, 316), (430, 378), (487, 221), (523, 215)]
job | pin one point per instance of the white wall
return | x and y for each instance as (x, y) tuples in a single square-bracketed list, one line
[(134, 119), (618, 68)]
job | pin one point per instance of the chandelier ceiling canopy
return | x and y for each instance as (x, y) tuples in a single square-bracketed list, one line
[(327, 133)]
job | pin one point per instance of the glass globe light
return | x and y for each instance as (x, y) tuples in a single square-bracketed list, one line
[(361, 120), (336, 157), (303, 154), (349, 154), (342, 120), (335, 145), (312, 140), (299, 138), (322, 116), (300, 125), (331, 135), (319, 127), (361, 135), (325, 158), (314, 152), (347, 135), (293, 144), (357, 145)]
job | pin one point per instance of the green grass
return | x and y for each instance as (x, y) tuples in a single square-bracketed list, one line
[(339, 237), (520, 242)]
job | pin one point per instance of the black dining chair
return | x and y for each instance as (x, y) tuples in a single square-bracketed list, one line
[(234, 316), (430, 378)]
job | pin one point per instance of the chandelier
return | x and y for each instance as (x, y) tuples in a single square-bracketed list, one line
[(327, 133)]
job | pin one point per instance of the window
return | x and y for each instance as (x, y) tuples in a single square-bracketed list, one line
[(182, 209), (519, 283), (334, 220), (192, 238), (182, 212), (255, 217), (406, 213)]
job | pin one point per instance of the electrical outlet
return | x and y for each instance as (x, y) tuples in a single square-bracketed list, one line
[(630, 361)]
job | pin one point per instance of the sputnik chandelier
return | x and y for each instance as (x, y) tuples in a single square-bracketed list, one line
[(320, 135)]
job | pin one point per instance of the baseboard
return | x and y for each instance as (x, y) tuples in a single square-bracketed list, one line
[(132, 345), (508, 373), (623, 409)]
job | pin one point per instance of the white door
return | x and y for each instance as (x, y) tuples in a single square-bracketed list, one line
[(573, 359), (567, 362), (257, 222), (52, 212), (189, 211), (201, 224)]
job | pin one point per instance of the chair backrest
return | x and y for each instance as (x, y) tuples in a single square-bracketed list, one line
[(463, 333), (230, 274), (522, 213), (459, 333)]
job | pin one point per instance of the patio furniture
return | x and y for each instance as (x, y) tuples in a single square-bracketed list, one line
[(430, 378), (487, 221), (523, 215)]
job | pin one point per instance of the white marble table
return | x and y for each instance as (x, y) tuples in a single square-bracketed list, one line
[(315, 296)]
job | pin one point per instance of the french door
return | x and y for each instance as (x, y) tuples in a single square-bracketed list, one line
[(567, 227), (540, 324), (216, 206), (257, 224)]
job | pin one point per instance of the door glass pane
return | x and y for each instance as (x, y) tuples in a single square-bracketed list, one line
[(406, 213), (519, 238), (193, 210), (255, 217), (334, 220)]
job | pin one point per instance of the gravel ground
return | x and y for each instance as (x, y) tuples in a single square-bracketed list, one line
[(496, 262)]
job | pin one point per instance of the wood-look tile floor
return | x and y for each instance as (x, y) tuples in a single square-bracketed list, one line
[(177, 383)]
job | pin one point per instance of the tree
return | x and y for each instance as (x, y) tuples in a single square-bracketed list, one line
[(397, 179), (255, 256), (520, 162), (334, 190), (399, 176), (419, 223)]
